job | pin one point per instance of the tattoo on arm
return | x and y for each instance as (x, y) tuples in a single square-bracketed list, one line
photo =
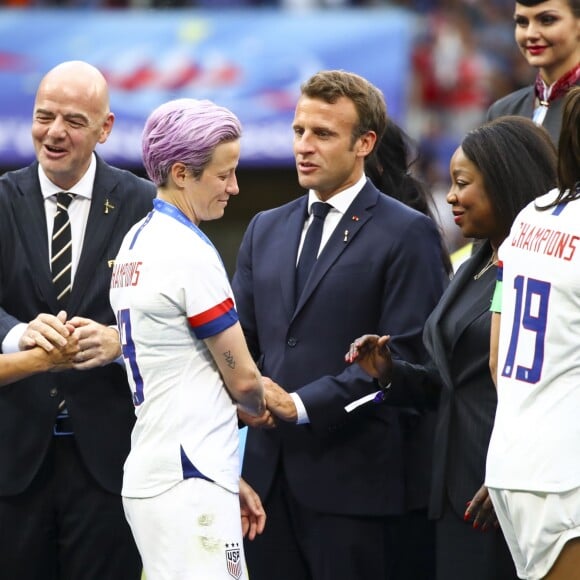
[(230, 361)]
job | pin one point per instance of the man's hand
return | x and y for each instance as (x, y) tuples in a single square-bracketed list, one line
[(46, 331), (280, 406), (99, 344), (252, 511), (279, 401), (373, 355), (63, 358)]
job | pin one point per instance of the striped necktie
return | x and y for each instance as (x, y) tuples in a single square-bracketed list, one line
[(60, 263)]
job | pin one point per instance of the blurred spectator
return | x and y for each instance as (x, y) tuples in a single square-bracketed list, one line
[(451, 74), (463, 60)]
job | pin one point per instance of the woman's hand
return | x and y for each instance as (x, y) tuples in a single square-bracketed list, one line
[(373, 355), (480, 511), (252, 510)]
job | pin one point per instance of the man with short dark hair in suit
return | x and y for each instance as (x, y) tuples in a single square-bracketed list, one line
[(65, 436), (332, 498)]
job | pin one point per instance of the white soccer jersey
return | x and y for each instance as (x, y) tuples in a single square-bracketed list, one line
[(169, 291), (535, 443)]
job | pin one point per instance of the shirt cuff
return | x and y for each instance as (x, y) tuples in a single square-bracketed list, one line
[(12, 338), (301, 413)]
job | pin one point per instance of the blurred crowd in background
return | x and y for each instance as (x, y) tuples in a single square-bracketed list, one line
[(464, 58)]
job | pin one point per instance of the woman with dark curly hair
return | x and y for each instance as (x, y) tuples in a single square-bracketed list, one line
[(497, 170)]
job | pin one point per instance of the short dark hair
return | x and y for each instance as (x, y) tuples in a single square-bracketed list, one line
[(517, 161), (368, 100)]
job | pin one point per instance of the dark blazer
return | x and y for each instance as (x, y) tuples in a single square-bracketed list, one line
[(384, 275), (459, 381), (98, 400), (521, 102)]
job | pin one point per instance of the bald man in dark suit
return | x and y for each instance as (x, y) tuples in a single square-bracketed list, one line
[(66, 435)]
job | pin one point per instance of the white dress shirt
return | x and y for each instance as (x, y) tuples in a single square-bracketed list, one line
[(79, 215), (339, 203)]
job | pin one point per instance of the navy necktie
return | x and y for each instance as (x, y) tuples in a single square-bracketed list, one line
[(311, 245)]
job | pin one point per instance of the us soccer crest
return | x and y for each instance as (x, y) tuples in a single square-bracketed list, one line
[(234, 561)]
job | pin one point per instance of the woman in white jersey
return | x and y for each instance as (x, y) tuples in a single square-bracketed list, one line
[(533, 466), (186, 357)]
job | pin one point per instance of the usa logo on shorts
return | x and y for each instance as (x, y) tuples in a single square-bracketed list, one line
[(234, 561)]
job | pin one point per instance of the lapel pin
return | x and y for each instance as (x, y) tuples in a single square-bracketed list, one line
[(354, 218), (345, 236), (110, 263), (108, 206)]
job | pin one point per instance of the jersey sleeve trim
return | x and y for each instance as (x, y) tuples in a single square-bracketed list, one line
[(214, 320)]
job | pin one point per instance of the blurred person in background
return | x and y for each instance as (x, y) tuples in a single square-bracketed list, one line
[(547, 33), (390, 169)]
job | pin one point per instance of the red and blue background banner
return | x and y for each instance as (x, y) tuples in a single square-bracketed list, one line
[(249, 60)]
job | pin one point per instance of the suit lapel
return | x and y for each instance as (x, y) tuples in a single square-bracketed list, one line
[(352, 222), (288, 252), (30, 219), (100, 226), (484, 302), (433, 336)]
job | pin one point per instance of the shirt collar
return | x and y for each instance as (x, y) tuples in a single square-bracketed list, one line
[(340, 201), (84, 187)]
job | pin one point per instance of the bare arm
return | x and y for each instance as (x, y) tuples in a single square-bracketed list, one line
[(493, 345), (238, 369), (19, 365)]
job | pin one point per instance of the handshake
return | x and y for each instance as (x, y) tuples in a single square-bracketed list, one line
[(279, 407), (370, 351)]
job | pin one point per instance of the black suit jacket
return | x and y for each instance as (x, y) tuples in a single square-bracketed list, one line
[(98, 400), (521, 102), (385, 275), (459, 381)]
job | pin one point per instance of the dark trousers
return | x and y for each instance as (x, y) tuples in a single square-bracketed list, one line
[(301, 544), (65, 526), (463, 552), (415, 545)]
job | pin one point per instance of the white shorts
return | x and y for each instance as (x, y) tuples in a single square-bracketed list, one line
[(189, 532), (536, 526)]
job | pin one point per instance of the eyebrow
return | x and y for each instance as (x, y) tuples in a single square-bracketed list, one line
[(551, 11), (68, 117)]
